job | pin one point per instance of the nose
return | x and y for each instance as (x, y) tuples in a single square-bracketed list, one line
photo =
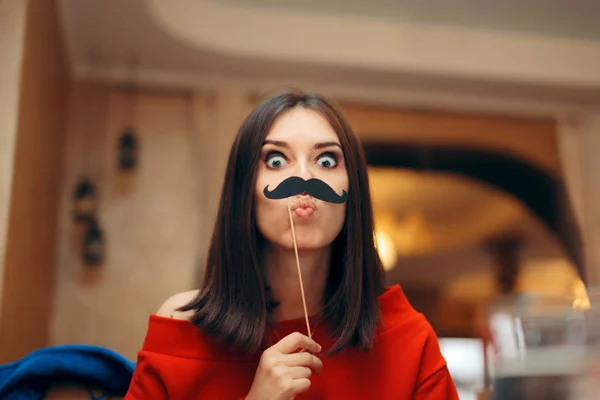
[(304, 171)]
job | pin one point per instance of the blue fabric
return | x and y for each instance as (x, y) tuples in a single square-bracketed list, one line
[(30, 377)]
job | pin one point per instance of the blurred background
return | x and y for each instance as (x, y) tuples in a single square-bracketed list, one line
[(479, 118)]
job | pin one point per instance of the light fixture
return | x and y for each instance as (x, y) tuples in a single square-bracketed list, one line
[(93, 245), (386, 249), (127, 150), (84, 200), (581, 300)]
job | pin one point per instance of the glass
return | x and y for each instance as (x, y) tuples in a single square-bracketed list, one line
[(536, 347), (589, 384)]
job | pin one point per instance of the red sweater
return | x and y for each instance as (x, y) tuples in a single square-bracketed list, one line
[(178, 362)]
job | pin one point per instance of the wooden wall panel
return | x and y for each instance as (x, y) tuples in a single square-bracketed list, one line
[(29, 262), (530, 139), (12, 33)]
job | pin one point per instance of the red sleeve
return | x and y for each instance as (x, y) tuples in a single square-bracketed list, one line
[(146, 382), (438, 386), (177, 362), (434, 380)]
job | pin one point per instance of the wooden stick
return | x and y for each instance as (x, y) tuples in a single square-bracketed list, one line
[(299, 271)]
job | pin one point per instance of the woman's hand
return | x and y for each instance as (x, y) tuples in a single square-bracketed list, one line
[(283, 373)]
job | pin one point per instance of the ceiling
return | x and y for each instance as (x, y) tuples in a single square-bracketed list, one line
[(562, 18), (131, 41)]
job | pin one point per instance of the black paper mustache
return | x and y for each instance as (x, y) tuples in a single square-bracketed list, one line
[(314, 187)]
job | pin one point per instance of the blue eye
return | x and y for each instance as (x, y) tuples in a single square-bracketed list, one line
[(275, 161), (327, 161)]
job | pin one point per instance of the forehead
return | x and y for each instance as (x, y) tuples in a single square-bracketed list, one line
[(300, 124)]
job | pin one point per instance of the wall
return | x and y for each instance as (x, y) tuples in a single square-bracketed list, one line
[(217, 116), (531, 139), (154, 218), (579, 138), (12, 34), (30, 243)]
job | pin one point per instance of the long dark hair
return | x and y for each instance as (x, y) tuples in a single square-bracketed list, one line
[(233, 302)]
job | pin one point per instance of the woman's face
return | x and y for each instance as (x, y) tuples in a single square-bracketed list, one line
[(301, 143)]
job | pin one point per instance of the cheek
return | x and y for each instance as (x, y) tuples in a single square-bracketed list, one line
[(340, 181), (338, 219), (269, 219), (259, 187)]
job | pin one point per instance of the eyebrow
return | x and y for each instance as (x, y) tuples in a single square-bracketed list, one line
[(286, 145)]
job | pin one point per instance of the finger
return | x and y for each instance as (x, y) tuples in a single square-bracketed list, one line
[(300, 372), (295, 341), (299, 386), (304, 360)]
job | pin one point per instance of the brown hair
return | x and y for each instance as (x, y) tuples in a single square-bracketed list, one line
[(233, 302)]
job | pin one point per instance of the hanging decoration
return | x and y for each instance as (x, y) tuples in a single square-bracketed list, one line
[(127, 150), (84, 200), (86, 192), (93, 245), (128, 144)]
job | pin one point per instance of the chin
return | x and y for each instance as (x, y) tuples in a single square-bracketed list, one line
[(304, 242), (310, 241), (310, 246)]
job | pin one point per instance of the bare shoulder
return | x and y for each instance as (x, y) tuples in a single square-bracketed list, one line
[(170, 306)]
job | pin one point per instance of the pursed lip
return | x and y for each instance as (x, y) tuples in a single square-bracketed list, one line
[(304, 202)]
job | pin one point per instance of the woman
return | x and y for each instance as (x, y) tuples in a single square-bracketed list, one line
[(243, 334)]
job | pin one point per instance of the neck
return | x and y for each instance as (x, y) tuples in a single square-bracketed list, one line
[(282, 275)]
